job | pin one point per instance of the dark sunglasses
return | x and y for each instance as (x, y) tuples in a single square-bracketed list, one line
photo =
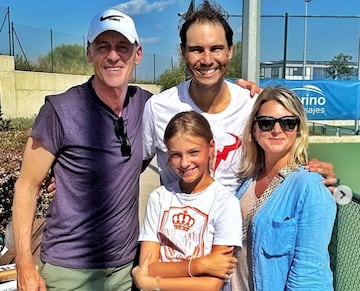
[(120, 132), (267, 123)]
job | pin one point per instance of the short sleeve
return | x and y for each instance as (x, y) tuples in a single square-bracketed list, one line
[(149, 134), (47, 128), (149, 229), (228, 226)]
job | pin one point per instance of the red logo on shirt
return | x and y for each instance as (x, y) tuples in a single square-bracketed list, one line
[(222, 155)]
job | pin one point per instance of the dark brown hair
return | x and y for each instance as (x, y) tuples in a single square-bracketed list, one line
[(207, 12)]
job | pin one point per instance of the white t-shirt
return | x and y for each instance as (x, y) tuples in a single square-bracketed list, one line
[(227, 127), (188, 225)]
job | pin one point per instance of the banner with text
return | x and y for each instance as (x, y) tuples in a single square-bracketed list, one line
[(323, 99)]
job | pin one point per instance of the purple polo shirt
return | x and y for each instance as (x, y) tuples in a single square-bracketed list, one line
[(93, 219)]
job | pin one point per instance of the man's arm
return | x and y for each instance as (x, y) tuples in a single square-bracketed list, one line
[(326, 170), (35, 166), (254, 89)]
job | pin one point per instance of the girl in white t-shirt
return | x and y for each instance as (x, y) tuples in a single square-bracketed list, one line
[(192, 225)]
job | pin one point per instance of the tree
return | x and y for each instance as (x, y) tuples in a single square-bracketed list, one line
[(340, 67), (234, 69), (66, 58), (172, 77)]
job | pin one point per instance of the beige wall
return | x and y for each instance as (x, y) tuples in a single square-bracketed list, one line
[(22, 93)]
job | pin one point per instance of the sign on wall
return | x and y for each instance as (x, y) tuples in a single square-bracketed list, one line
[(323, 99)]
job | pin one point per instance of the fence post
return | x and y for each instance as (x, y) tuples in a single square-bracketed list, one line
[(9, 30), (12, 39), (337, 131), (323, 129), (154, 70), (52, 51), (285, 45)]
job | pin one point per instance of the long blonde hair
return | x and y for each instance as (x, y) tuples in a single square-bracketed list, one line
[(253, 154)]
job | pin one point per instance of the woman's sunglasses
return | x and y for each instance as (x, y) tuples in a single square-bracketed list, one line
[(267, 123)]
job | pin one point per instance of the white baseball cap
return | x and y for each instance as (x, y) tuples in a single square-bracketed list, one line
[(112, 19)]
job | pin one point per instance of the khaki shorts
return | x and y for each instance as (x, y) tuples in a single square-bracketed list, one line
[(66, 279)]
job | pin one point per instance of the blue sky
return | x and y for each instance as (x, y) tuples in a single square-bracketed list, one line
[(157, 23)]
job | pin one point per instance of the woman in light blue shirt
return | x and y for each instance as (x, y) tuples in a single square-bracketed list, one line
[(288, 213)]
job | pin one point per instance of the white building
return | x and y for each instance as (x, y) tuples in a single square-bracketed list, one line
[(294, 70)]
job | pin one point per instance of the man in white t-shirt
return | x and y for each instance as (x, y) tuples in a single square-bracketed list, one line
[(207, 48)]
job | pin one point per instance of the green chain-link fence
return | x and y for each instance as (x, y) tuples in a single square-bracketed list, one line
[(345, 247)]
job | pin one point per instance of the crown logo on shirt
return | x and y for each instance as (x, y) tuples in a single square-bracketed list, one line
[(183, 221)]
